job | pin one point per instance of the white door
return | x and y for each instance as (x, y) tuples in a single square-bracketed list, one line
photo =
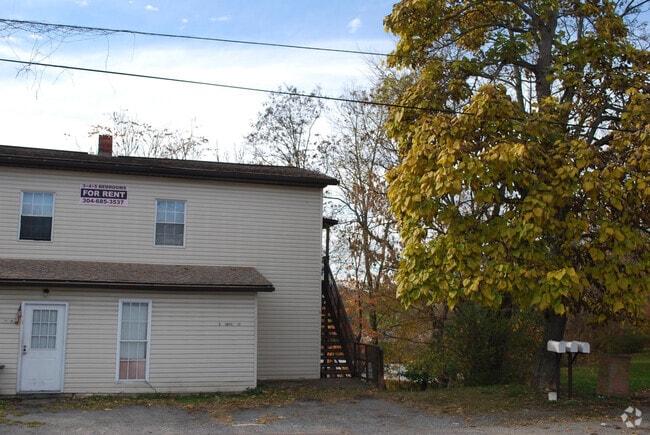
[(42, 347)]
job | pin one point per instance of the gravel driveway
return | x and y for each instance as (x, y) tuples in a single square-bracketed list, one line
[(360, 416)]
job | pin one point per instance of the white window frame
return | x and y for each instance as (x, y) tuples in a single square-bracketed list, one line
[(20, 215), (155, 224), (119, 340)]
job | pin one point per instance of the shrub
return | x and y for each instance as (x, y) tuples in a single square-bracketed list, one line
[(480, 346), (419, 374), (627, 343)]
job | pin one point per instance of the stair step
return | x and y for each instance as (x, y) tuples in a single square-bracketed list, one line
[(336, 373), (334, 362), (334, 369)]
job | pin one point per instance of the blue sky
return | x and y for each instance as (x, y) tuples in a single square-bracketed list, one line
[(63, 104), (292, 21)]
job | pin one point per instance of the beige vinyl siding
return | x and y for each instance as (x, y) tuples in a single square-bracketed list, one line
[(9, 343), (276, 229), (200, 342)]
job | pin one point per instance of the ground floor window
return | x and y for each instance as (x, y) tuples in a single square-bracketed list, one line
[(133, 340)]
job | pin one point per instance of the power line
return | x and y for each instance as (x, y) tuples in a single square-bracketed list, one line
[(104, 30), (218, 85), (19, 24), (268, 91)]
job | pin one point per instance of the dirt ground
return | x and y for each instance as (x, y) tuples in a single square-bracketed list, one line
[(363, 415)]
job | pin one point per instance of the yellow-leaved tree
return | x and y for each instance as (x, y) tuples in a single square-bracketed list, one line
[(524, 157)]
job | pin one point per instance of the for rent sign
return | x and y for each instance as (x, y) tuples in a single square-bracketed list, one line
[(104, 194)]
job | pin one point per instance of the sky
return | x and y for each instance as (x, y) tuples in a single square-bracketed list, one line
[(56, 108)]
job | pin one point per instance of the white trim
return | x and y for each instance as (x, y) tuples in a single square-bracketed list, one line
[(119, 339), (255, 303), (64, 325)]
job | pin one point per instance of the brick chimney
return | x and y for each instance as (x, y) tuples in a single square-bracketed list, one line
[(105, 145)]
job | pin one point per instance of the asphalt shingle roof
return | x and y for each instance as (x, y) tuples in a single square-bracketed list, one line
[(64, 273), (191, 169)]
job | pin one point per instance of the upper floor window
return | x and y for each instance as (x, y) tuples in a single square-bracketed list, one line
[(170, 223), (36, 216)]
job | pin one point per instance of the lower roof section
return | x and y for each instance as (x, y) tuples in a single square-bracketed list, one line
[(136, 276)]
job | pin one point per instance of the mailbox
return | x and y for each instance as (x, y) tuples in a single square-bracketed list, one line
[(556, 346), (573, 349), (577, 347)]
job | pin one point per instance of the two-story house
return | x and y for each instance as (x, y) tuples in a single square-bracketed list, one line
[(131, 275)]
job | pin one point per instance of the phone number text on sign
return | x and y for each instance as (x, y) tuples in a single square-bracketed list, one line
[(104, 194)]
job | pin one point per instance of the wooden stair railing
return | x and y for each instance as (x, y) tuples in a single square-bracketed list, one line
[(337, 339)]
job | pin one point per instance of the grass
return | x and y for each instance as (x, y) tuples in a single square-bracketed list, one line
[(522, 403), (503, 401), (5, 407), (640, 373), (469, 400), (7, 411), (585, 375)]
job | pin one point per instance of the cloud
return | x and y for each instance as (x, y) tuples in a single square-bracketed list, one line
[(82, 3), (354, 25), (185, 21), (151, 8), (68, 104), (220, 19)]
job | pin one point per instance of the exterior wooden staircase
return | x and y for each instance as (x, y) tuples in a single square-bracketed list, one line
[(337, 339), (341, 354)]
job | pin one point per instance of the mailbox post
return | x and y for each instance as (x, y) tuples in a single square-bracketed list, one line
[(577, 347), (559, 348), (572, 349)]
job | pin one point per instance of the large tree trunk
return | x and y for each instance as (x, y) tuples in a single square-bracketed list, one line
[(546, 371)]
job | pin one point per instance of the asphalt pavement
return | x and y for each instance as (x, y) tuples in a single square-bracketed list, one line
[(358, 416)]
